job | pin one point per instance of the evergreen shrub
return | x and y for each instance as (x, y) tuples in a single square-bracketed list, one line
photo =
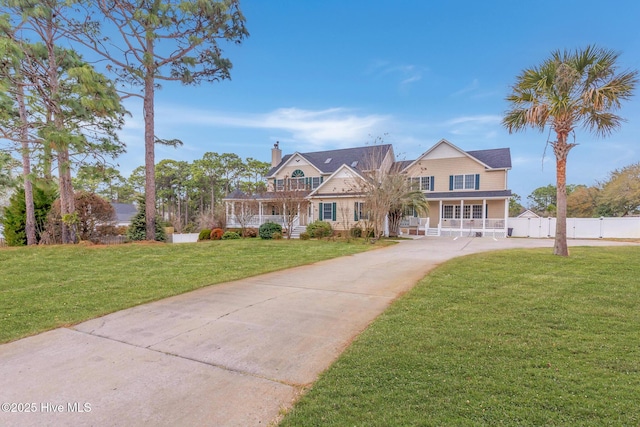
[(319, 229), (204, 234), (229, 235), (268, 229), (356, 232)]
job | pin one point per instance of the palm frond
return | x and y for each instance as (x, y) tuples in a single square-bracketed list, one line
[(571, 87)]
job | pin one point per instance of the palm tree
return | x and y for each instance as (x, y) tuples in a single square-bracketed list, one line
[(570, 89), (402, 198)]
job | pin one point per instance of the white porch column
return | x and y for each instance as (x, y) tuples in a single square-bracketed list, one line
[(461, 215), (260, 213), (506, 216), (386, 226), (440, 218), (484, 215)]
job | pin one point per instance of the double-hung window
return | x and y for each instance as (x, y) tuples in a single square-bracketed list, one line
[(359, 211), (421, 183), (464, 182), (467, 211), (327, 211)]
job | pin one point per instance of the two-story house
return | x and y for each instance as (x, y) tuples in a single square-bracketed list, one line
[(466, 191)]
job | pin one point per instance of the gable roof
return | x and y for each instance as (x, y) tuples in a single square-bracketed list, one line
[(327, 162), (343, 168), (496, 158)]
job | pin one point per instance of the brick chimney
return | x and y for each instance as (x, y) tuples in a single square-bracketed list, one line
[(276, 155)]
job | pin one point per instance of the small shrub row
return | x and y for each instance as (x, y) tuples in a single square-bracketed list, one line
[(231, 233), (359, 232)]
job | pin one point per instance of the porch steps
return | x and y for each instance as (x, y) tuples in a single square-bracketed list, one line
[(432, 232), (295, 233)]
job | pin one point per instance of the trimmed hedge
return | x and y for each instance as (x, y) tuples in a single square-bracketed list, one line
[(229, 235), (319, 229), (268, 229), (204, 234)]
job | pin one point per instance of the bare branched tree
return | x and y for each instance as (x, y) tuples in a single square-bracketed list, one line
[(245, 211), (387, 193), (291, 199)]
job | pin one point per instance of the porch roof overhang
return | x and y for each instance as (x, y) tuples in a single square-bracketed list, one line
[(335, 195), (264, 197), (469, 195)]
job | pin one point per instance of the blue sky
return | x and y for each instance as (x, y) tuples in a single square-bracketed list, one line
[(330, 74)]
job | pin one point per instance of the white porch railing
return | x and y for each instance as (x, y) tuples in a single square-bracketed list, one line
[(257, 221), (473, 227)]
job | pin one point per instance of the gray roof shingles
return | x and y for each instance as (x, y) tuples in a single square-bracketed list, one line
[(497, 158), (346, 156)]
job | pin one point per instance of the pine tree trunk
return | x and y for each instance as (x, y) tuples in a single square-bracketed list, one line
[(30, 223), (67, 200), (149, 156)]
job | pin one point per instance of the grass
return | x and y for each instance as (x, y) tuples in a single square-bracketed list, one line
[(47, 287), (517, 337)]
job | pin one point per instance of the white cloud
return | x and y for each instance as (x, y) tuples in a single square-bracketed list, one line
[(334, 126), (475, 120), (406, 73), (483, 126), (469, 88)]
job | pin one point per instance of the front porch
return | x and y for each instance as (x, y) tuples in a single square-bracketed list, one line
[(488, 227), (458, 218), (252, 213)]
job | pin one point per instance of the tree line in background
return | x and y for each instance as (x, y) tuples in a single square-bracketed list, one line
[(189, 194), (617, 196), (58, 113)]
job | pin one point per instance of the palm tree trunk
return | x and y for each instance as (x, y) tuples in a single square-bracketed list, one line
[(561, 150)]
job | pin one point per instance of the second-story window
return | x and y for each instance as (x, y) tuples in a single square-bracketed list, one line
[(464, 182), (422, 183)]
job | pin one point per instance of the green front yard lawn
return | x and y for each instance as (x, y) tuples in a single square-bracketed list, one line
[(517, 338), (47, 287)]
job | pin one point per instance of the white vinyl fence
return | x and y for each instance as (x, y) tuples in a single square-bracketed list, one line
[(577, 228), (183, 238)]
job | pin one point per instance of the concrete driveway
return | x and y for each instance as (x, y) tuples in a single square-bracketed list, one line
[(234, 354)]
